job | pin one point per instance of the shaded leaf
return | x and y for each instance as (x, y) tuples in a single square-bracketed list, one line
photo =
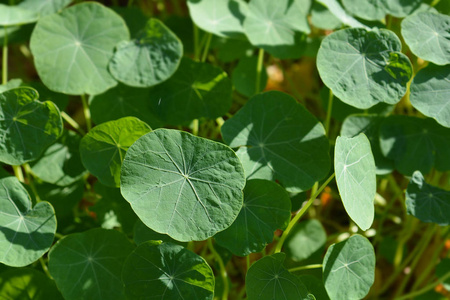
[(305, 239), (400, 8), (144, 234), (244, 76), (442, 269)]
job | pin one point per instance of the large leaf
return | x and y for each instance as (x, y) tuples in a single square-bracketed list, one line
[(27, 126), (266, 208), (195, 90), (72, 49), (349, 268), (426, 202), (432, 41), (336, 9), (103, 148), (88, 265), (279, 140), (356, 178), (192, 187), (365, 9), (430, 93), (26, 232), (149, 59), (279, 27), (363, 68), (267, 279), (305, 239), (167, 271), (220, 17)]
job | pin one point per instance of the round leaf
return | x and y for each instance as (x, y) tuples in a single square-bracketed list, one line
[(16, 15), (305, 239), (427, 35), (266, 208), (88, 265), (72, 49), (279, 140), (12, 84), (44, 8), (430, 93), (356, 178), (268, 279), (426, 202), (336, 9), (26, 232), (195, 90), (372, 10), (144, 234), (400, 8), (363, 68), (148, 60), (27, 126), (279, 27), (167, 271), (192, 187), (349, 268), (244, 76), (322, 18), (103, 149)]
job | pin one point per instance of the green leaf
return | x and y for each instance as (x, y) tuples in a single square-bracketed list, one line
[(415, 144), (336, 9), (196, 90), (12, 84), (364, 68), (220, 17), (144, 234), (60, 164), (244, 76), (192, 187), (72, 49), (322, 18), (27, 126), (167, 271), (432, 41), (268, 279), (123, 101), (61, 100), (279, 27), (44, 8), (315, 286), (27, 284), (430, 93), (27, 233), (349, 268), (88, 265), (428, 203), (229, 50), (266, 208), (16, 15), (356, 178), (279, 140), (103, 148), (305, 239), (401, 8), (442, 269), (372, 10), (149, 59)]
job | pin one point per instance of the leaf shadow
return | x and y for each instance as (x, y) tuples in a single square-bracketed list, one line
[(336, 250)]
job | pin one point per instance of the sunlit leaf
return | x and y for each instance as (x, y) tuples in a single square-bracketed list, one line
[(322, 18), (365, 9), (12, 84), (336, 9), (400, 8)]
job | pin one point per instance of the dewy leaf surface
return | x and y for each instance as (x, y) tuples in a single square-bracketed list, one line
[(103, 149), (267, 279), (27, 126), (356, 178), (279, 27), (266, 208), (349, 268), (430, 93), (428, 36), (167, 271), (372, 10), (148, 60), (26, 232), (363, 68), (182, 185), (220, 17), (279, 140), (72, 49), (426, 202), (88, 265)]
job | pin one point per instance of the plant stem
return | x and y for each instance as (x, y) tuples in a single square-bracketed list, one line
[(30, 181), (45, 268), (59, 235), (196, 46), (195, 126), (5, 57), (425, 289), (18, 172), (329, 110), (130, 3), (72, 123), (206, 49), (308, 267), (87, 112), (259, 68), (223, 271), (388, 21), (248, 261), (300, 214)]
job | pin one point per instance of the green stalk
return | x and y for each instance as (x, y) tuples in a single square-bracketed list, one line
[(195, 126), (206, 49), (5, 58), (223, 270), (300, 214), (259, 68), (425, 289), (72, 123), (247, 258), (308, 267), (18, 173), (45, 268), (196, 46), (87, 112), (30, 181), (329, 109)]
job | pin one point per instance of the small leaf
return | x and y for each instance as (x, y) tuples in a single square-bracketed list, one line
[(88, 265), (349, 268), (103, 148), (305, 239), (167, 271), (192, 187), (356, 179), (268, 279), (27, 233), (372, 10), (266, 208), (426, 202)]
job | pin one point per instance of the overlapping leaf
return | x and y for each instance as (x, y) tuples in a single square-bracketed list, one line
[(244, 76), (305, 239), (322, 18), (11, 84), (336, 9), (401, 8), (142, 234), (365, 9), (44, 8), (16, 15)]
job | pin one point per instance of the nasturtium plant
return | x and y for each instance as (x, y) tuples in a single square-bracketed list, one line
[(12, 84), (372, 10), (322, 18), (338, 12), (244, 76), (144, 234), (11, 15), (307, 238)]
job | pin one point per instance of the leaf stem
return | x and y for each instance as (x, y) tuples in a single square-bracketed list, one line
[(308, 267), (18, 173), (196, 45), (426, 288), (259, 68), (72, 123), (223, 271), (206, 49), (247, 258), (87, 112), (329, 110), (45, 268), (30, 181), (195, 126), (5, 57), (300, 214)]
